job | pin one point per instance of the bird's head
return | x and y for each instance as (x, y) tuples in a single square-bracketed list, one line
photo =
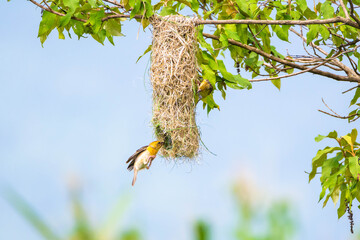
[(154, 147)]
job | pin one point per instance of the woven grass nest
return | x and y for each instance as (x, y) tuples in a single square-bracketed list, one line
[(172, 73)]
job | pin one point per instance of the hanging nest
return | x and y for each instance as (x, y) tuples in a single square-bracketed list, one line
[(173, 73)]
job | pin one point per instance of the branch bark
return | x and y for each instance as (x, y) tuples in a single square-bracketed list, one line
[(282, 22), (288, 63), (55, 12)]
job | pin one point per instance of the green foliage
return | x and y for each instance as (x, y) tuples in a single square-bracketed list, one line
[(82, 228), (340, 170), (30, 215), (83, 18), (100, 19), (276, 218), (202, 230)]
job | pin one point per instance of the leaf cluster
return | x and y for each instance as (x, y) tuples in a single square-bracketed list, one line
[(340, 170), (82, 228), (83, 18), (102, 19)]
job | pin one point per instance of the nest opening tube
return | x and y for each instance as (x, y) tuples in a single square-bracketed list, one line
[(172, 73)]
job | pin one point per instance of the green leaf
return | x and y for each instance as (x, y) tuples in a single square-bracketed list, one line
[(342, 208), (146, 51), (130, 235), (354, 167), (194, 5), (48, 23), (356, 96), (113, 27), (149, 9), (324, 32), (72, 4), (167, 11), (302, 4), (326, 200), (209, 100), (282, 32), (313, 33), (95, 20), (65, 20), (319, 138), (322, 194), (202, 41), (208, 74), (348, 139), (327, 10), (319, 159), (330, 164), (241, 30), (30, 214), (243, 82), (202, 231), (224, 40), (277, 83), (330, 135), (60, 31), (92, 3), (243, 7), (231, 32), (335, 194), (353, 135), (137, 8)]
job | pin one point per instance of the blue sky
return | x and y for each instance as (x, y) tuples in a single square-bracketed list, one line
[(77, 109)]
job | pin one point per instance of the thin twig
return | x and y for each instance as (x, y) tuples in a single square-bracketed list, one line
[(260, 31), (352, 13), (350, 89), (114, 2), (336, 62), (337, 115), (55, 12), (289, 75), (344, 9), (329, 107)]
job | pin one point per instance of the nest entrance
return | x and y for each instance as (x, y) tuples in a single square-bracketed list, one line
[(172, 73)]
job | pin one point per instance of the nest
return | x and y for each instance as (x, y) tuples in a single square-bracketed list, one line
[(172, 73)]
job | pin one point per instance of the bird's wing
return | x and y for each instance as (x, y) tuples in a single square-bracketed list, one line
[(133, 157)]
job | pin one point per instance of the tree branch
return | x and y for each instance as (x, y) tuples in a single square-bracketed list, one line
[(121, 16), (55, 12), (352, 13), (289, 75), (344, 9), (336, 62), (114, 2), (288, 63), (84, 20), (350, 89), (335, 114), (282, 22)]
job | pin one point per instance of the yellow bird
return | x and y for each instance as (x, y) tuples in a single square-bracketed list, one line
[(143, 157), (205, 89)]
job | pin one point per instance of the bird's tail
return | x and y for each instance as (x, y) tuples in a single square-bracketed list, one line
[(135, 175)]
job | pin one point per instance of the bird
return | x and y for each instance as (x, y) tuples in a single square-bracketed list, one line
[(143, 158), (205, 89)]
